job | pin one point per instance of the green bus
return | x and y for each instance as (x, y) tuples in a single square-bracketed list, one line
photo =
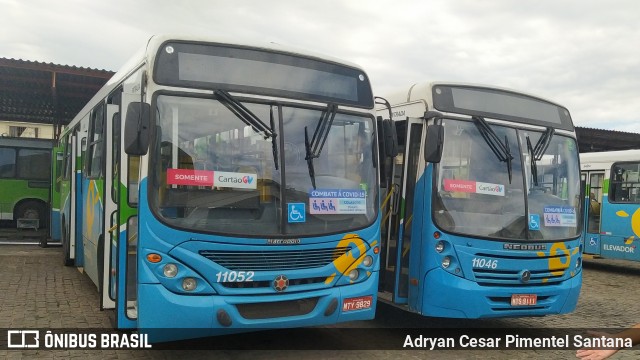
[(25, 168)]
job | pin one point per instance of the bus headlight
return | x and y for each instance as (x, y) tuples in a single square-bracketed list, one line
[(446, 261), (353, 274), (170, 270), (578, 262), (440, 246), (367, 261), (189, 284)]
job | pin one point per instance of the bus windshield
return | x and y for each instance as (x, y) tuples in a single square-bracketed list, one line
[(476, 195), (213, 172)]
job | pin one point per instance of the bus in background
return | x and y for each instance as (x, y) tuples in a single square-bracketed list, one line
[(612, 203), (25, 170), (210, 198), (483, 212)]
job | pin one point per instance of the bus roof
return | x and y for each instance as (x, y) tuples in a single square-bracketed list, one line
[(149, 51), (604, 159)]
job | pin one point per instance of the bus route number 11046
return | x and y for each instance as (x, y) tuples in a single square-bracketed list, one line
[(484, 263)]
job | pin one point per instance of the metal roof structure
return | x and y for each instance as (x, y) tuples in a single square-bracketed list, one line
[(592, 140), (46, 93)]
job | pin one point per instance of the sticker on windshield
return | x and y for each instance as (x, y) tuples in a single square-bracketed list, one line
[(189, 177), (337, 201), (211, 178), (560, 216), (534, 222), (473, 187)]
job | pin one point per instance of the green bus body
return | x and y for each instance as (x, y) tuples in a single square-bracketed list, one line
[(25, 168)]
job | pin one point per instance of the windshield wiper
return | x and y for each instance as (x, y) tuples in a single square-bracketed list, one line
[(500, 150), (314, 147), (249, 118), (536, 152)]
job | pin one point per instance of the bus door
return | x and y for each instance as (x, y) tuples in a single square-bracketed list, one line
[(110, 224), (122, 212), (594, 195), (398, 242)]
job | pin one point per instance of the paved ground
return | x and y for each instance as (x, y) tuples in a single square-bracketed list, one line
[(36, 291)]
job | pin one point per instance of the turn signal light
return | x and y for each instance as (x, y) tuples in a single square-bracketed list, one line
[(154, 258)]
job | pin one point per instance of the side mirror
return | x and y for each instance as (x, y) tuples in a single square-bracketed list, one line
[(137, 128), (390, 140), (433, 143)]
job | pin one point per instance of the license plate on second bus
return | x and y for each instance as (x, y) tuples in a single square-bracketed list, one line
[(523, 299), (357, 303)]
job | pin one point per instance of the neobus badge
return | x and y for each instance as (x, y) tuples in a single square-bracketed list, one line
[(525, 247), (283, 241)]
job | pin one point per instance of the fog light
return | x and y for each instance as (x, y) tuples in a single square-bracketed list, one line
[(368, 261), (439, 246), (446, 261), (353, 274), (189, 284), (170, 270)]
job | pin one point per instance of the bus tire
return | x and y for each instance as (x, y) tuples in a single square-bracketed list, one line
[(31, 209), (66, 247)]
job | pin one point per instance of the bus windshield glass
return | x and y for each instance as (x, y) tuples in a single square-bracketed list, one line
[(475, 195), (213, 172)]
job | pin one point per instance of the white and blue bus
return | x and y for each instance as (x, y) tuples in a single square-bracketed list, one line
[(225, 187), (483, 210), (612, 203)]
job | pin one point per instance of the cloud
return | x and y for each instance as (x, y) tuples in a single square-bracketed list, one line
[(582, 55)]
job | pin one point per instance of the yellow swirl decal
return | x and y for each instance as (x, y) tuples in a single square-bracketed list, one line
[(349, 260)]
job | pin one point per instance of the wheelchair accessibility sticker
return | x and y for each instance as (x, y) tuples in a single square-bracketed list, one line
[(534, 222), (296, 212)]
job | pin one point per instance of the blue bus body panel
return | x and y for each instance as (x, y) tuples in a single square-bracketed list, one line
[(619, 232), (54, 226), (314, 295)]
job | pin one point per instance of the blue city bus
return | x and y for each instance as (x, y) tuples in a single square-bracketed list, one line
[(612, 203), (482, 215), (212, 187)]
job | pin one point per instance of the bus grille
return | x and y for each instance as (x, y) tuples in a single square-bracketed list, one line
[(512, 278), (274, 260)]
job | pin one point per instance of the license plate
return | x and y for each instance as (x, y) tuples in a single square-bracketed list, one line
[(523, 299), (357, 303)]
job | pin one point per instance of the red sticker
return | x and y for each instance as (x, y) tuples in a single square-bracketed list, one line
[(189, 177), (459, 185)]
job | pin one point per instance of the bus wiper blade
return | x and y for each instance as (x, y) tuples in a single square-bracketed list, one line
[(500, 150), (249, 118), (536, 152), (274, 142), (543, 144), (322, 129), (243, 113), (309, 158), (314, 147), (509, 157), (534, 166)]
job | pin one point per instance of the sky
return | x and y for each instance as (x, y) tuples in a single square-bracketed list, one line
[(583, 55)]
